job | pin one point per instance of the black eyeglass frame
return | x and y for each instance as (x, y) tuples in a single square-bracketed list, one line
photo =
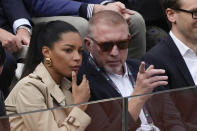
[(187, 11), (101, 44)]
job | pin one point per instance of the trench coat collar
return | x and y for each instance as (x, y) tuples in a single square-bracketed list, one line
[(55, 90)]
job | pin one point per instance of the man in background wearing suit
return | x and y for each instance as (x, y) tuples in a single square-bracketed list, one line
[(12, 39), (177, 54), (74, 12)]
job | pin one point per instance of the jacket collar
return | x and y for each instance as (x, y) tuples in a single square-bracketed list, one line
[(54, 89), (179, 61), (98, 73)]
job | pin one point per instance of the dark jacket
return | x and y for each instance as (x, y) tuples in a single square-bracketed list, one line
[(151, 10), (14, 9), (2, 105), (108, 115), (4, 122), (40, 8), (3, 19), (165, 55)]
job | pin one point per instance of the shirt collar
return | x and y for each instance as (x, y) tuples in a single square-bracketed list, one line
[(184, 50), (125, 73)]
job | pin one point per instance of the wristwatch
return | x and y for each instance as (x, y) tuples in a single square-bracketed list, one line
[(26, 27)]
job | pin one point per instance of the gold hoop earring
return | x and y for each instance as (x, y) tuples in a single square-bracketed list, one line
[(48, 62)]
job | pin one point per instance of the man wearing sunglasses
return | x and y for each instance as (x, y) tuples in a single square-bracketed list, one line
[(177, 54), (109, 74)]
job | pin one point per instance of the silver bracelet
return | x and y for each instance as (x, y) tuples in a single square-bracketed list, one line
[(26, 28)]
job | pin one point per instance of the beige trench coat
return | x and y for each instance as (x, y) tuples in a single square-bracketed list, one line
[(39, 91)]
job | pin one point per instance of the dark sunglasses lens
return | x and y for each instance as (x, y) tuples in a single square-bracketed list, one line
[(195, 15), (123, 44), (106, 46)]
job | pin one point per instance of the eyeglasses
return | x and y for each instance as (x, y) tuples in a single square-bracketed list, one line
[(194, 13), (107, 46)]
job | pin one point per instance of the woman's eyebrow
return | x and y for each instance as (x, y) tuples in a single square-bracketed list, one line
[(69, 45)]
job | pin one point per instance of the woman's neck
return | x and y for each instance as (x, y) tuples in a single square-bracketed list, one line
[(55, 76)]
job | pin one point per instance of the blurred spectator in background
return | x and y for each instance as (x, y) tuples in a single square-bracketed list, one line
[(86, 9), (16, 21), (12, 42), (151, 10), (156, 24), (177, 54)]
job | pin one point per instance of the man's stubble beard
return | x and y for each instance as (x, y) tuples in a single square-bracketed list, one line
[(114, 70)]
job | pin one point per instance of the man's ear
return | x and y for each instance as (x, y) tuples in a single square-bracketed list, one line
[(171, 15), (46, 51), (87, 42)]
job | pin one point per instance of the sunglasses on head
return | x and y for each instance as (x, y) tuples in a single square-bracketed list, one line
[(108, 45)]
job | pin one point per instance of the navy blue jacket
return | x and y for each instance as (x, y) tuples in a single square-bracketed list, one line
[(109, 112), (3, 19), (59, 7), (106, 116), (99, 85), (11, 10), (2, 105), (165, 55)]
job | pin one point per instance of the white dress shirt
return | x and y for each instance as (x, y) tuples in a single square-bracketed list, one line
[(90, 7), (20, 22), (188, 55), (125, 88)]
